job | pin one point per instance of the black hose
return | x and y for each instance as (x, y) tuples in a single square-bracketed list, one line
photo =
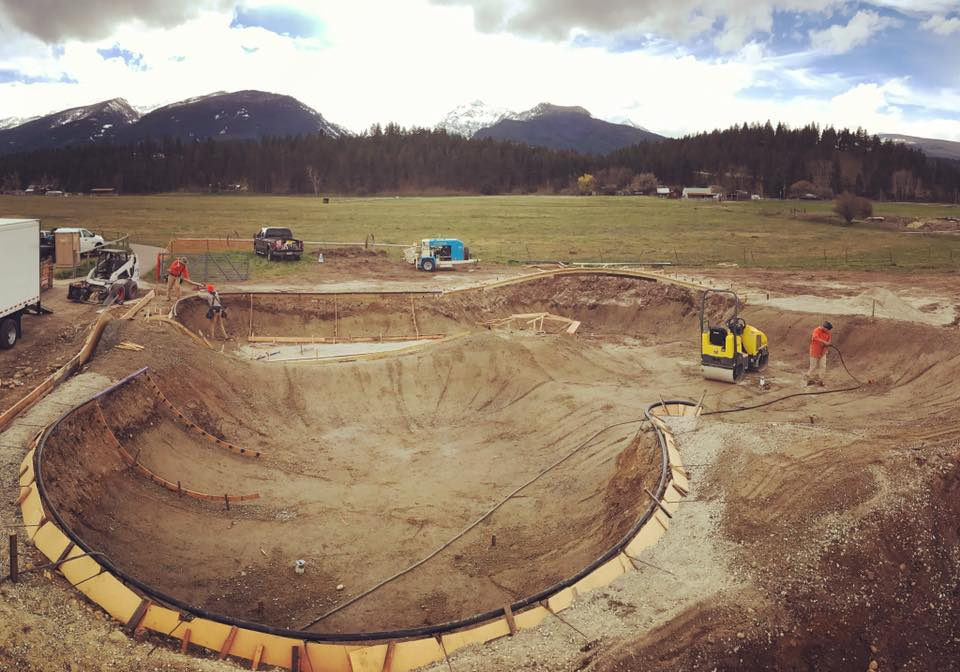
[(858, 385)]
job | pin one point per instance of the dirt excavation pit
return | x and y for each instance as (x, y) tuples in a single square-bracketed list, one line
[(368, 466)]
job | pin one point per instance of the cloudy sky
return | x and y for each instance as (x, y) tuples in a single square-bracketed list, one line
[(674, 66)]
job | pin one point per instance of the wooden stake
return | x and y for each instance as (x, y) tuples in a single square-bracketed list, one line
[(186, 641), (336, 321), (388, 659), (413, 311), (251, 314), (257, 656), (138, 615), (228, 642), (295, 659), (657, 502), (511, 623), (14, 567)]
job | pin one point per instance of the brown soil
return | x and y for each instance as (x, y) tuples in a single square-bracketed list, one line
[(821, 532), (47, 342), (371, 465)]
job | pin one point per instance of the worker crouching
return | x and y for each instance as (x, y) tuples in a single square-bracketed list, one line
[(819, 344), (216, 313)]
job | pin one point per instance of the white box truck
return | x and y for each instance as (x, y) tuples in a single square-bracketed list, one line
[(19, 275)]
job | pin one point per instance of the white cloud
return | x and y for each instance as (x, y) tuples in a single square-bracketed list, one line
[(680, 20), (417, 60), (941, 25), (839, 39)]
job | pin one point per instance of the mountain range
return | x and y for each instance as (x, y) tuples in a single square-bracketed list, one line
[(935, 149), (546, 125), (246, 115), (571, 128), (242, 115)]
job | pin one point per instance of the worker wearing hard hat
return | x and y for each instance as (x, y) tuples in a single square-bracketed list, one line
[(176, 274), (215, 311), (819, 343)]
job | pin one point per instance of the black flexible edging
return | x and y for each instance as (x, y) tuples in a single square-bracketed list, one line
[(346, 638)]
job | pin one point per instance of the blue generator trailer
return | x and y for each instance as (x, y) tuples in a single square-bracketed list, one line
[(433, 253)]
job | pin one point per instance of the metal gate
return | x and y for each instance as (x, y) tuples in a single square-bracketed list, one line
[(209, 266)]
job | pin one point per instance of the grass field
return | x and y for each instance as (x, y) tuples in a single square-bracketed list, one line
[(501, 228)]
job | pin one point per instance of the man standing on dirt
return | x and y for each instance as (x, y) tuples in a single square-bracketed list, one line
[(215, 312), (176, 274), (819, 342)]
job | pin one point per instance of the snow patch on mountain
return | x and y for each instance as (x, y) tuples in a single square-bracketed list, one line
[(469, 118)]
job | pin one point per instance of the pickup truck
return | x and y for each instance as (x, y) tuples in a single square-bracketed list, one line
[(277, 243)]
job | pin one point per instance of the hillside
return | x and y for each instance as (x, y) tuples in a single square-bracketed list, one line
[(570, 128), (243, 115), (935, 149)]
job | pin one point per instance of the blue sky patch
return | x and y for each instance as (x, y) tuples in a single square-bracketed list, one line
[(7, 76), (278, 19), (132, 59)]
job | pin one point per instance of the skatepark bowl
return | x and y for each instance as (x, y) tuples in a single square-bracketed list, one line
[(449, 467)]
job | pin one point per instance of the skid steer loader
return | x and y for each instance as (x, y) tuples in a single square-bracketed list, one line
[(113, 279), (730, 349)]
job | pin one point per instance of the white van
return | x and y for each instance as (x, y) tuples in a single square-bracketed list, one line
[(89, 241)]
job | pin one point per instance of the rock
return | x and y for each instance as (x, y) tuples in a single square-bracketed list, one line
[(339, 586), (873, 666), (741, 635), (117, 636)]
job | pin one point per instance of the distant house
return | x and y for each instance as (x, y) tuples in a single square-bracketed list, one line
[(699, 193), (738, 195), (54, 192), (103, 191), (664, 192)]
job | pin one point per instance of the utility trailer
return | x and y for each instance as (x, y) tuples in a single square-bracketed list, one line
[(433, 253), (20, 284)]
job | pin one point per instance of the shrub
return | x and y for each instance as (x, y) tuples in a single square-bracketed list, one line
[(850, 206)]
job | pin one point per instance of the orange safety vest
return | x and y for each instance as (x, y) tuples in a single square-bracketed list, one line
[(816, 347), (177, 270)]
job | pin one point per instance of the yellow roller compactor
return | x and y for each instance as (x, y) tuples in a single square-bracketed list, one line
[(729, 350)]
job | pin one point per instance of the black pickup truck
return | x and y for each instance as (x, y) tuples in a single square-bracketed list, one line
[(277, 243)]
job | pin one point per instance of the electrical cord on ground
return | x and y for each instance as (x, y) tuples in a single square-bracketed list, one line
[(858, 385), (472, 525)]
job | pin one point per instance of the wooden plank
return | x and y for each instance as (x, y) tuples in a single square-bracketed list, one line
[(348, 339), (130, 314)]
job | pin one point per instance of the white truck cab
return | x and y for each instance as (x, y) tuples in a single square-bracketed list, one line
[(89, 241)]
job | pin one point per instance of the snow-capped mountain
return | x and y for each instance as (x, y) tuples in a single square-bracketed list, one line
[(223, 116), (932, 147), (469, 118), (88, 124), (544, 109), (626, 121), (12, 122), (573, 128), (241, 115)]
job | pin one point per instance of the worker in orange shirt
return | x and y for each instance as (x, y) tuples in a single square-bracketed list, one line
[(176, 274), (819, 343)]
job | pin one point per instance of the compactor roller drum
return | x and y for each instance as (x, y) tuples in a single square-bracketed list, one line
[(730, 349)]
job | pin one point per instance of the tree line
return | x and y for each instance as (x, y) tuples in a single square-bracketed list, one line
[(751, 158)]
